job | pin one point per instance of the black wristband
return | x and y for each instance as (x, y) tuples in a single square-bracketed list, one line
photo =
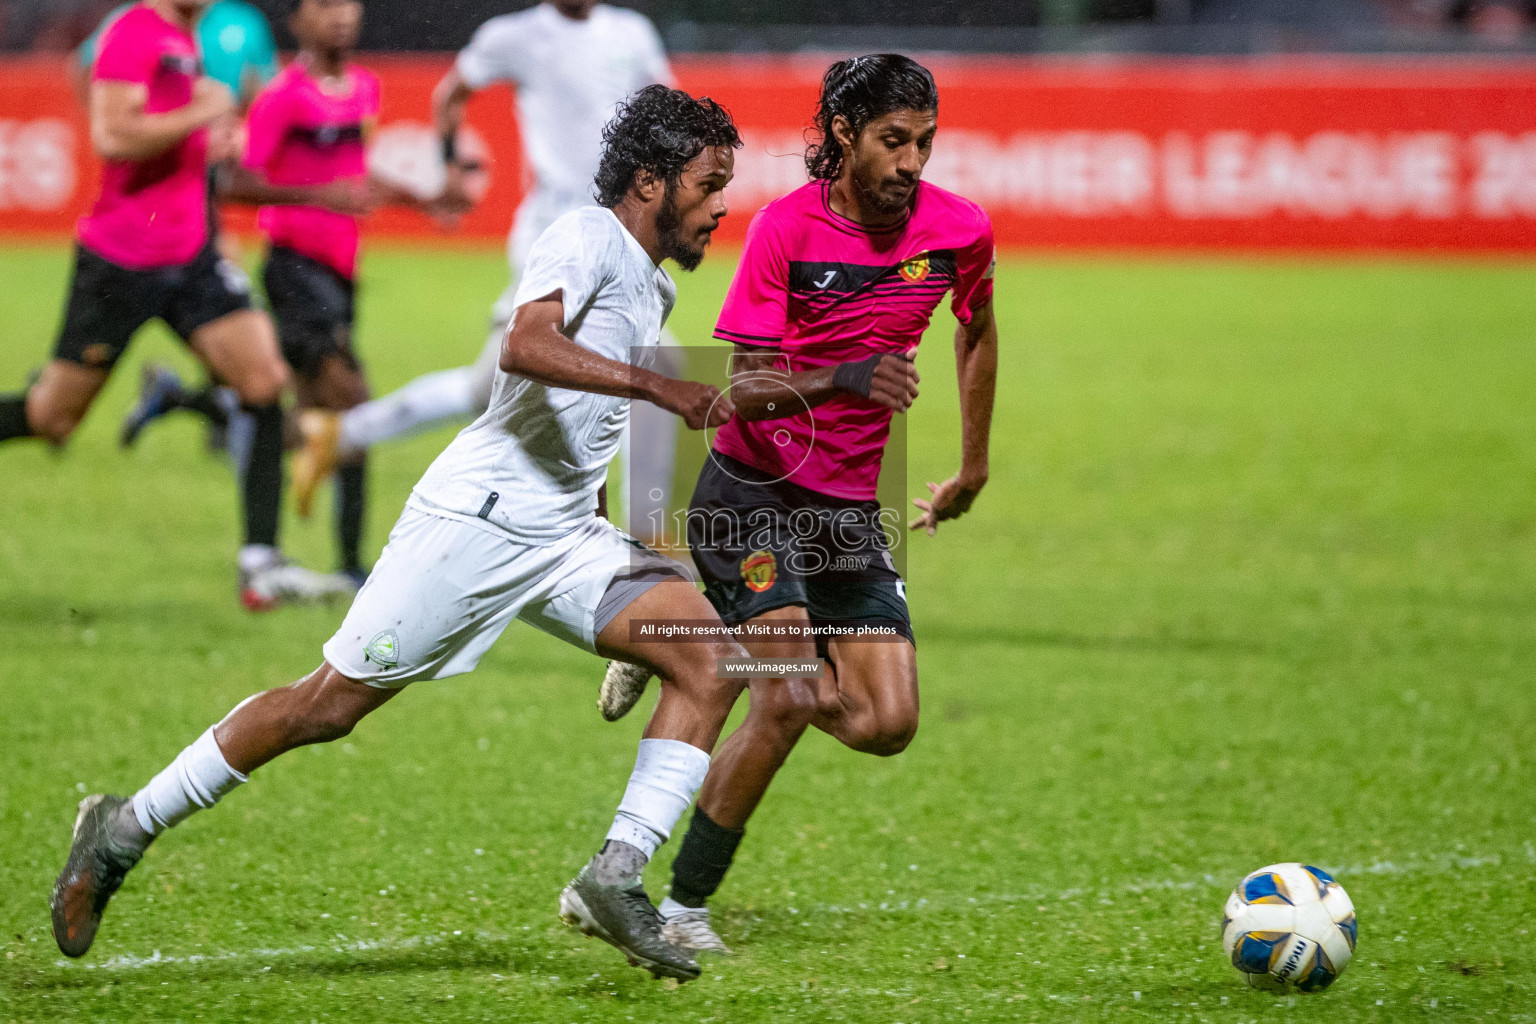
[(857, 377), (451, 149)]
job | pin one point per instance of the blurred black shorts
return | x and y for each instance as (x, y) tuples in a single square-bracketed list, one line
[(108, 303), (313, 306)]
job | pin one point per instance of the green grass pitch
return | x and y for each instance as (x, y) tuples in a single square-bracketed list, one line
[(1254, 580)]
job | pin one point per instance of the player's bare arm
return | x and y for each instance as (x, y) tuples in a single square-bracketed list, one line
[(122, 130), (764, 391), (237, 184), (976, 368), (536, 348)]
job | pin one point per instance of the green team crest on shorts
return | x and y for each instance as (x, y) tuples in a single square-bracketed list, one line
[(383, 650)]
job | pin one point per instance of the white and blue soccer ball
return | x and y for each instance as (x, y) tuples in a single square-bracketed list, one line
[(1289, 926)]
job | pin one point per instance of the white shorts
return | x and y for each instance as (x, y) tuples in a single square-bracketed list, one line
[(444, 590)]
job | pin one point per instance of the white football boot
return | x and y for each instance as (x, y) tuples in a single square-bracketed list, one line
[(280, 583), (689, 929), (623, 686)]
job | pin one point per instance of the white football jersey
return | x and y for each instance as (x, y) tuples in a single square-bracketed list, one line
[(532, 464), (569, 76)]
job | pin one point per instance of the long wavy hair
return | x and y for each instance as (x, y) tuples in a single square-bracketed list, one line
[(860, 90)]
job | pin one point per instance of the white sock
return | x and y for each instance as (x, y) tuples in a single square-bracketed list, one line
[(667, 775), (194, 781), (670, 908), (256, 557), (425, 402)]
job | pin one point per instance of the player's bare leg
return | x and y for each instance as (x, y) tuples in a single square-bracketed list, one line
[(112, 832), (52, 408), (868, 701), (241, 349), (607, 899)]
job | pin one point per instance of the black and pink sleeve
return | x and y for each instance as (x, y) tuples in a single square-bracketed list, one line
[(755, 309), (976, 263)]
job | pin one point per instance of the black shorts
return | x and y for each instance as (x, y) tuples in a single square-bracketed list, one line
[(313, 306), (108, 303), (762, 544)]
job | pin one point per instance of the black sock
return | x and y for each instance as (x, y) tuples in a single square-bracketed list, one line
[(351, 503), (705, 857), (263, 484), (13, 417), (206, 404)]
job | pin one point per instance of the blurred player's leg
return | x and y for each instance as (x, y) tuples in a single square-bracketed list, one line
[(241, 348), (314, 307), (161, 392), (338, 384), (107, 304), (53, 407)]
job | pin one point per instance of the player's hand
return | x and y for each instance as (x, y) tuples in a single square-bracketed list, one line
[(224, 141), (948, 500), (353, 197), (701, 406), (211, 100), (453, 202), (455, 197), (895, 382)]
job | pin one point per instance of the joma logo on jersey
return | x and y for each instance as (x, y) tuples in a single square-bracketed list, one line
[(759, 571), (915, 269), (383, 650)]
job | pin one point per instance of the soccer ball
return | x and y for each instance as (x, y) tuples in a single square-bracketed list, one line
[(1289, 926)]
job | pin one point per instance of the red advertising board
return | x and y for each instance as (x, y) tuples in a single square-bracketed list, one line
[(1294, 153)]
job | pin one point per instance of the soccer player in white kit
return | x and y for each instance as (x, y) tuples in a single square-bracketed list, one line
[(572, 62), (502, 526)]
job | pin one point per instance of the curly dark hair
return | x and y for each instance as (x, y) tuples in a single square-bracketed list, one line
[(862, 89), (658, 130)]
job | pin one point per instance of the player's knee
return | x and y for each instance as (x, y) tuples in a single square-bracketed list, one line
[(790, 705), (262, 384), (53, 425), (695, 670), (887, 735)]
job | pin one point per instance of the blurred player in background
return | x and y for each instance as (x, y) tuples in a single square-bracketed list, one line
[(236, 46), (146, 251), (310, 128), (837, 283), (233, 39), (501, 527), (572, 62)]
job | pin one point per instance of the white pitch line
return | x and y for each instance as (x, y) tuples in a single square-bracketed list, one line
[(1412, 866), (130, 962)]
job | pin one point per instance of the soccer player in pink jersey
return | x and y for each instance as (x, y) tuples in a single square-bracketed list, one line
[(310, 127), (145, 251), (836, 285)]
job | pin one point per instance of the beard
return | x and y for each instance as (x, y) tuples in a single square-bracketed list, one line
[(669, 235), (883, 196)]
